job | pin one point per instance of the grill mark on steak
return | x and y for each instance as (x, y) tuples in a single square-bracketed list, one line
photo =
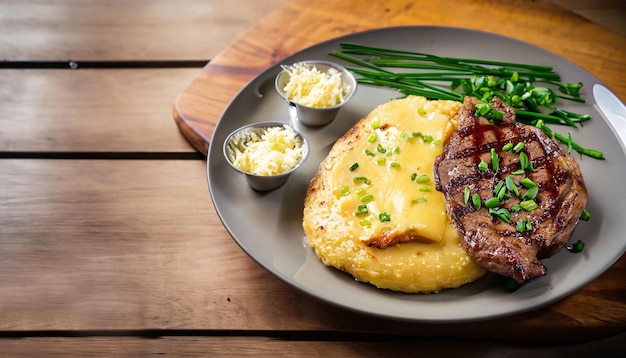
[(491, 242)]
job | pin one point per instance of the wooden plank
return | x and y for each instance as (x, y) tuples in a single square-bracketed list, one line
[(44, 30), (267, 347), (109, 110), (99, 245)]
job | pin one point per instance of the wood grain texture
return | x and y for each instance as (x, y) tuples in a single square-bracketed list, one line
[(113, 110), (46, 30), (302, 23), (267, 346), (607, 13), (136, 245)]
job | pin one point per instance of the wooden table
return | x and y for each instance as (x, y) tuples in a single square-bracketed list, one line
[(109, 242)]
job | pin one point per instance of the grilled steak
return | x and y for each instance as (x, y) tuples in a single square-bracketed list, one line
[(511, 238)]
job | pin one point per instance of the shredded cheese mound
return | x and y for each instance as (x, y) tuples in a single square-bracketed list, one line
[(308, 86), (279, 149)]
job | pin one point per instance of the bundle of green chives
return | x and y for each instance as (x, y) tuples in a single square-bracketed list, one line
[(425, 75)]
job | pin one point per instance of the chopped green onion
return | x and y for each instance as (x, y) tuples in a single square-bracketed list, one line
[(524, 225), (529, 225), (528, 183), (501, 195), (483, 166), (495, 162), (422, 178), (413, 176), (466, 194), (365, 223), (384, 216), (418, 201), (367, 198), (363, 179), (476, 201), (394, 164), (501, 213), (375, 124), (577, 247), (531, 193), (380, 149), (518, 147), (492, 203), (372, 138), (574, 88), (518, 172), (482, 109), (425, 188), (585, 215), (369, 152), (529, 205), (485, 110), (510, 185), (354, 166), (361, 210), (381, 160), (497, 115), (360, 191), (421, 111), (507, 147), (396, 150), (345, 190), (498, 187), (523, 161)]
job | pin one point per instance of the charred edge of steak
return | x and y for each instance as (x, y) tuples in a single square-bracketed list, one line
[(491, 242)]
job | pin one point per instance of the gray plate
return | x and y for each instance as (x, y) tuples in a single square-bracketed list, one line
[(267, 226)]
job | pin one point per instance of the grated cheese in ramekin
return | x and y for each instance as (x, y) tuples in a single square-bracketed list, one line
[(308, 86), (278, 150)]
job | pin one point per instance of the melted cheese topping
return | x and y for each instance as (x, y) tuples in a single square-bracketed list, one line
[(396, 155), (391, 153)]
